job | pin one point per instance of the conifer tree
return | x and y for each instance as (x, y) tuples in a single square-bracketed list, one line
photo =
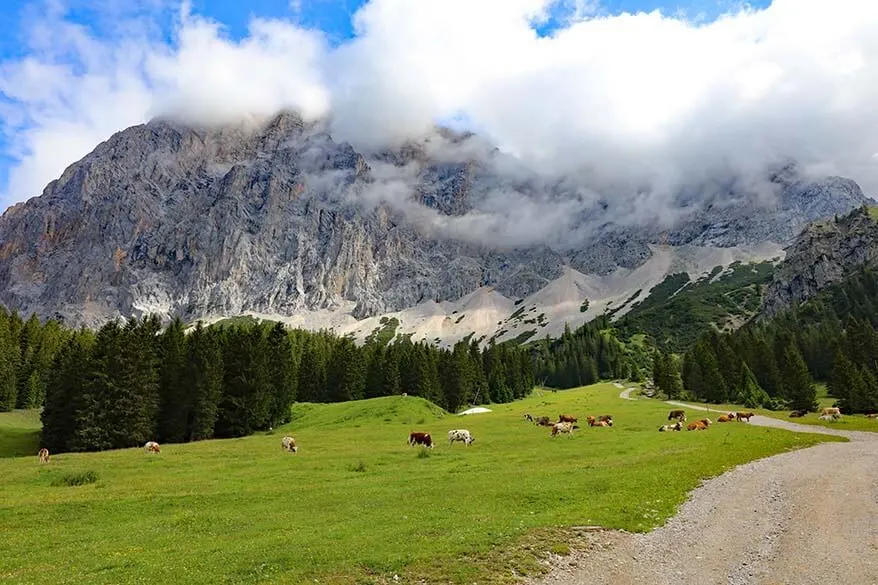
[(204, 374), (175, 403), (801, 392)]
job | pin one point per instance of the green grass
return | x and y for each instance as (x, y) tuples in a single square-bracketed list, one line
[(19, 433), (356, 504)]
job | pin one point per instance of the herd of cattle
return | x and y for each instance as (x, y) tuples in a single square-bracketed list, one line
[(565, 424)]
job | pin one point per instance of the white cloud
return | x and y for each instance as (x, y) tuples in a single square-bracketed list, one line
[(633, 105)]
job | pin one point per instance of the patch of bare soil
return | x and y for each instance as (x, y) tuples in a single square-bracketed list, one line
[(803, 517)]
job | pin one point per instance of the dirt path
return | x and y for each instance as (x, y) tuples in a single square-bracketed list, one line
[(803, 517), (626, 394)]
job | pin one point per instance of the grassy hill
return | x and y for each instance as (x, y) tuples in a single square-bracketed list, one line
[(19, 433), (356, 504)]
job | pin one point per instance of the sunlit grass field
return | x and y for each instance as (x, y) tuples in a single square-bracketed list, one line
[(357, 504)]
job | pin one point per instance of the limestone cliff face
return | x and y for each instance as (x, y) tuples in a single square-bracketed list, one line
[(281, 219), (823, 254)]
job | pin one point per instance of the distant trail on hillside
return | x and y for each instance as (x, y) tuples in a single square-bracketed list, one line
[(626, 394), (797, 518)]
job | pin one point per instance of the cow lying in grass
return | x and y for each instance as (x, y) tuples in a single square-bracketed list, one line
[(678, 414), (543, 421), (567, 418), (563, 427), (677, 426), (461, 435), (698, 425), (726, 417)]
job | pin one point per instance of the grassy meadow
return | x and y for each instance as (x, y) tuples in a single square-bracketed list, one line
[(357, 504)]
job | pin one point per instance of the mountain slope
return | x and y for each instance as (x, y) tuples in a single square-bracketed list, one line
[(281, 220)]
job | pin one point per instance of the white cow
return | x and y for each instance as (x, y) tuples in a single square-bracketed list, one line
[(462, 435), (152, 447), (289, 444)]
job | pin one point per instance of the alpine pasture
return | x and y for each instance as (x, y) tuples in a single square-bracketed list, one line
[(356, 504)]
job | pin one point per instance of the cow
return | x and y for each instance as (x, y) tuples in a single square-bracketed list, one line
[(528, 417), (152, 447), (827, 417), (563, 427), (289, 444), (677, 426), (417, 438), (679, 415), (834, 412), (872, 416), (697, 426), (798, 413), (544, 421), (725, 418), (607, 418), (744, 416), (590, 420), (705, 421), (461, 435), (44, 455), (567, 418), (404, 394), (602, 423)]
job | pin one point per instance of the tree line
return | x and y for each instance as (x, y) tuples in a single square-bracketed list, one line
[(27, 350), (773, 363), (132, 382)]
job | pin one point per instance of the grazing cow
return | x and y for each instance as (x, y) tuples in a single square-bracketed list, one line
[(44, 455), (417, 438), (831, 412), (744, 416), (798, 413), (563, 427), (677, 426), (697, 426), (528, 417), (872, 416), (607, 418), (567, 418), (680, 415), (544, 421), (461, 435), (152, 447), (289, 444)]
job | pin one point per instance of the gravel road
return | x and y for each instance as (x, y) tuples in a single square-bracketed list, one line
[(803, 517)]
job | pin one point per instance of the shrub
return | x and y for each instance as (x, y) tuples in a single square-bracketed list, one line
[(74, 479)]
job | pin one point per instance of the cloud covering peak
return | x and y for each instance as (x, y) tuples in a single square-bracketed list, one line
[(643, 104)]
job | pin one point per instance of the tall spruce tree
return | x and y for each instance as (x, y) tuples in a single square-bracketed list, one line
[(204, 374), (175, 402), (800, 389)]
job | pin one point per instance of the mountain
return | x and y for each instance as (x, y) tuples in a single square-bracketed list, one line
[(280, 220), (824, 254)]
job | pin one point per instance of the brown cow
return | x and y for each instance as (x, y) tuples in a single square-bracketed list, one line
[(590, 420), (725, 418), (567, 418), (417, 438), (798, 413), (744, 416), (705, 421), (697, 426), (44, 455), (680, 415), (601, 423), (543, 421), (607, 418), (289, 444)]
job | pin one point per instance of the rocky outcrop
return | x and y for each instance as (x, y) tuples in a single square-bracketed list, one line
[(282, 219), (823, 254)]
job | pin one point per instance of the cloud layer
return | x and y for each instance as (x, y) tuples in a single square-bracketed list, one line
[(636, 105)]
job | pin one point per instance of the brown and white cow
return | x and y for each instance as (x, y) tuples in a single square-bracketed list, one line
[(44, 455), (152, 447), (462, 435), (590, 420), (831, 411), (289, 444), (529, 417), (607, 418), (744, 416), (677, 414), (698, 425), (725, 418), (567, 418), (601, 423), (418, 438), (563, 427), (543, 421), (677, 426)]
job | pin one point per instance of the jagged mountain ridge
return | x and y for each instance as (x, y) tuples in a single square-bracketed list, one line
[(283, 220), (825, 253)]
